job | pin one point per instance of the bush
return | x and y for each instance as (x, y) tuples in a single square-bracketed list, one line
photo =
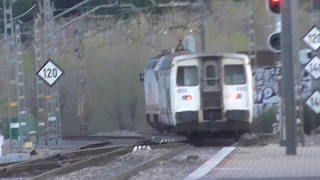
[(311, 120), (267, 119)]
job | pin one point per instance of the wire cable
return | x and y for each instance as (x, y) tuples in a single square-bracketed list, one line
[(21, 15)]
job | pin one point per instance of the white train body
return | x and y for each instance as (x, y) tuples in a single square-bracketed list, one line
[(190, 92), (151, 88)]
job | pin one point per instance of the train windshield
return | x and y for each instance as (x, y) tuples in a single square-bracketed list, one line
[(234, 75), (151, 65), (187, 76)]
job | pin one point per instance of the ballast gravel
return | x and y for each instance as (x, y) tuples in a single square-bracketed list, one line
[(118, 165), (179, 166), (117, 133), (313, 140)]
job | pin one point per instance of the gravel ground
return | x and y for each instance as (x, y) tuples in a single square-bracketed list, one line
[(118, 165), (179, 166), (15, 146), (67, 144), (313, 140), (117, 133)]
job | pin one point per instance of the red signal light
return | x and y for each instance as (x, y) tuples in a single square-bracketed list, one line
[(235, 96), (274, 6), (187, 97)]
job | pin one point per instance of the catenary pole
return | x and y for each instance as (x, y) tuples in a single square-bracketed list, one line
[(288, 7)]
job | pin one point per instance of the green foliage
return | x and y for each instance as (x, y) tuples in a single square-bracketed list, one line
[(115, 95), (267, 118), (311, 120)]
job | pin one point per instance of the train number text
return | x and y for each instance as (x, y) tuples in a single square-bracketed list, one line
[(182, 90), (243, 88)]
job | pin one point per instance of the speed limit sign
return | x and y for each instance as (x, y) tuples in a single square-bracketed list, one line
[(50, 72), (314, 102)]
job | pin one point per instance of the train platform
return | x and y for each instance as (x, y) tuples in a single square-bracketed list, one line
[(265, 163)]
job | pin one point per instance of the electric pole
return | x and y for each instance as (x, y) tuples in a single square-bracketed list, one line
[(81, 79), (252, 44), (52, 97), (14, 69), (48, 107), (288, 56)]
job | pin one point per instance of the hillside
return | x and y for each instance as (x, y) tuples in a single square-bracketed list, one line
[(114, 60)]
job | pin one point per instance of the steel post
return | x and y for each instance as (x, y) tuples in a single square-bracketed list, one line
[(288, 56)]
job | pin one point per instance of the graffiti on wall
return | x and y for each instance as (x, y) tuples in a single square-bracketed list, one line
[(267, 90)]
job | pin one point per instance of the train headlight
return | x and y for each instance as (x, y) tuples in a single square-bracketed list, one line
[(187, 97), (235, 96)]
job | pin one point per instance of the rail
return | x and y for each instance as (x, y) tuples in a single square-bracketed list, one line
[(150, 163), (98, 160)]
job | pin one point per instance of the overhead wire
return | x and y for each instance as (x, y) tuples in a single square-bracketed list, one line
[(21, 15), (83, 36)]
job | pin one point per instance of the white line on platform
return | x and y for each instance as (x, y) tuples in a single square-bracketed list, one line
[(205, 168)]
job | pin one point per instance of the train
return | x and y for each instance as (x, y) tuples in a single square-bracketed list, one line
[(189, 92)]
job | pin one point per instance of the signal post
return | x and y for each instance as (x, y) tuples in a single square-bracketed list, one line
[(274, 44), (283, 41)]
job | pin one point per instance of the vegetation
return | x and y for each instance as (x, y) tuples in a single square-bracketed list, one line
[(114, 58)]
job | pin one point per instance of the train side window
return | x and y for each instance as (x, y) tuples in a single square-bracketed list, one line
[(154, 64), (166, 64), (187, 76), (210, 73), (148, 67), (234, 75)]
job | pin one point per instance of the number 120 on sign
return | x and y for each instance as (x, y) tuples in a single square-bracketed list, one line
[(50, 73)]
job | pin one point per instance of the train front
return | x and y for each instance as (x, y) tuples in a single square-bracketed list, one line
[(237, 83), (212, 93)]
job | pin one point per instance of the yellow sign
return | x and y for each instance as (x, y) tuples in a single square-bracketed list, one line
[(40, 110), (12, 83), (28, 145), (48, 97), (13, 104)]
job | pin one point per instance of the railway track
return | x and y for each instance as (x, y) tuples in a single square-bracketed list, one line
[(97, 160), (74, 160), (102, 138), (146, 165), (98, 154)]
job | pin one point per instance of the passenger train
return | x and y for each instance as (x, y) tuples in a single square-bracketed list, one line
[(189, 92)]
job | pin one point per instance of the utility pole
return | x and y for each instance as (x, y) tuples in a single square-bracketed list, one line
[(48, 108), (52, 97), (15, 83), (203, 31), (81, 80), (20, 82), (314, 21), (281, 114), (298, 78), (288, 56), (40, 87), (155, 34), (252, 44), (203, 37)]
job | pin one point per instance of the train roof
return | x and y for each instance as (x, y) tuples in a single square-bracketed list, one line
[(163, 53), (175, 54), (197, 55)]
